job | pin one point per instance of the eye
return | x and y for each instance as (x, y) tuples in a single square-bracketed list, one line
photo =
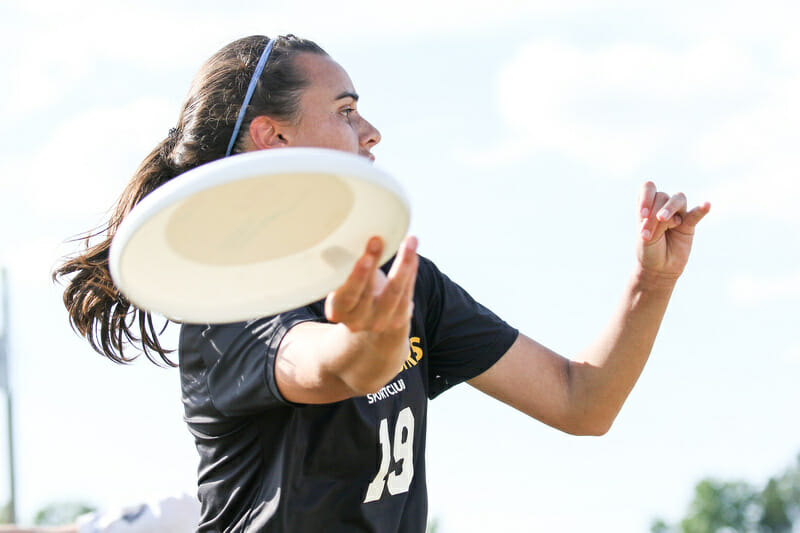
[(347, 111)]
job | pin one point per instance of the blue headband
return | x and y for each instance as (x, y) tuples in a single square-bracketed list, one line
[(250, 90)]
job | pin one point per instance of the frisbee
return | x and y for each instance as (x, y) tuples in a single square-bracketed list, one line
[(255, 234)]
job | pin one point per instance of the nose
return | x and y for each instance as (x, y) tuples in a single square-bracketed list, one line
[(369, 135)]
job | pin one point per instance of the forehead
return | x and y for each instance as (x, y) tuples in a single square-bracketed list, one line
[(325, 76)]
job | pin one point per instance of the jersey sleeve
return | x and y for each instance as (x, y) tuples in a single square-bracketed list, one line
[(464, 337), (238, 360)]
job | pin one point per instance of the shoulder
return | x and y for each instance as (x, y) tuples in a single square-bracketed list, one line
[(218, 337), (427, 266), (200, 338)]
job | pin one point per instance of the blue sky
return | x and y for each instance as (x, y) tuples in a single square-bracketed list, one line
[(521, 132)]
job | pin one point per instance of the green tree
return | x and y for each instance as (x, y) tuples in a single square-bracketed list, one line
[(659, 526), (61, 514), (718, 505), (724, 506), (5, 513), (789, 488), (774, 510)]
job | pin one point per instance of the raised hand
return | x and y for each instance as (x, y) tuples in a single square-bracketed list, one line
[(666, 230), (371, 301)]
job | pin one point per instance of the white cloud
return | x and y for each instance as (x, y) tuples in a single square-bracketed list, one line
[(792, 354), (32, 261), (763, 25), (615, 106), (83, 164), (56, 44), (757, 152), (724, 107), (752, 289)]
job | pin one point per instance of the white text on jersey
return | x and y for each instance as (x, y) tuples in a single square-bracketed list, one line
[(391, 389)]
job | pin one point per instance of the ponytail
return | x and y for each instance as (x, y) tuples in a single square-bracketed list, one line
[(97, 310)]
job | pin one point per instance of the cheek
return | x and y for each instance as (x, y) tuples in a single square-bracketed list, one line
[(343, 134), (329, 131)]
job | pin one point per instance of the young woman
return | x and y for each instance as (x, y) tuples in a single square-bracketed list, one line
[(315, 419)]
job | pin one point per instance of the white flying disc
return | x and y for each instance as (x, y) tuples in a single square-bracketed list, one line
[(255, 234)]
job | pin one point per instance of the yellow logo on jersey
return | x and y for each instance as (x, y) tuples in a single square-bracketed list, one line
[(414, 353)]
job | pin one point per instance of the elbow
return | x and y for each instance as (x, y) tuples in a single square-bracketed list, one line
[(588, 431), (589, 426), (595, 430)]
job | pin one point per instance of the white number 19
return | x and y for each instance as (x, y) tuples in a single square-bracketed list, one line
[(397, 483)]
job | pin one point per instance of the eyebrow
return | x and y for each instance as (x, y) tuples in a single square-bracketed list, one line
[(347, 94)]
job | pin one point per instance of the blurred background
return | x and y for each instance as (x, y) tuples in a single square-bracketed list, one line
[(521, 131)]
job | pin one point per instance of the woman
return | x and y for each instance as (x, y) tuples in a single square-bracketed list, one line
[(315, 419)]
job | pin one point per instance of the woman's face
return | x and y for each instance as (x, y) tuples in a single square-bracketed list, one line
[(328, 116)]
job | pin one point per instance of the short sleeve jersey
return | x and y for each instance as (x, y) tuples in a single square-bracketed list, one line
[(357, 465)]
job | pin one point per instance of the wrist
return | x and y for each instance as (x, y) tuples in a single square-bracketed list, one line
[(367, 360), (645, 280)]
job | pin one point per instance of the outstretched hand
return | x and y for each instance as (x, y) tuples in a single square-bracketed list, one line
[(369, 300), (666, 230)]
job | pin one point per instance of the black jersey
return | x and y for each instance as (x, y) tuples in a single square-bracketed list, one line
[(351, 466)]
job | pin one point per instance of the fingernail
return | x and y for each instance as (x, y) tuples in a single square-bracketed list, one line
[(645, 212), (374, 246), (663, 214), (646, 234)]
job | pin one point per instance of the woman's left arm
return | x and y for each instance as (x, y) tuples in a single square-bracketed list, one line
[(583, 396)]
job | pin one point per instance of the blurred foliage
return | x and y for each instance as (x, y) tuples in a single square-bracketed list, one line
[(5, 513), (61, 513), (775, 509), (720, 505), (433, 525), (735, 506), (659, 526)]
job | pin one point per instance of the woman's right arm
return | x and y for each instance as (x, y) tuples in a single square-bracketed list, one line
[(366, 342)]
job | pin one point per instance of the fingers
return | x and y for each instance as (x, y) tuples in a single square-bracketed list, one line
[(647, 196), (366, 302), (393, 305), (651, 206), (405, 254), (354, 296), (696, 215), (660, 212), (674, 206)]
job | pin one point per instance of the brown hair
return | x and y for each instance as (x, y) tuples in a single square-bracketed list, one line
[(97, 310)]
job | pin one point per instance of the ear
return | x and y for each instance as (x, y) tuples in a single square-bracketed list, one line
[(266, 132)]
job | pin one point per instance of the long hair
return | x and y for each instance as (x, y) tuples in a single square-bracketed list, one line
[(97, 310)]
